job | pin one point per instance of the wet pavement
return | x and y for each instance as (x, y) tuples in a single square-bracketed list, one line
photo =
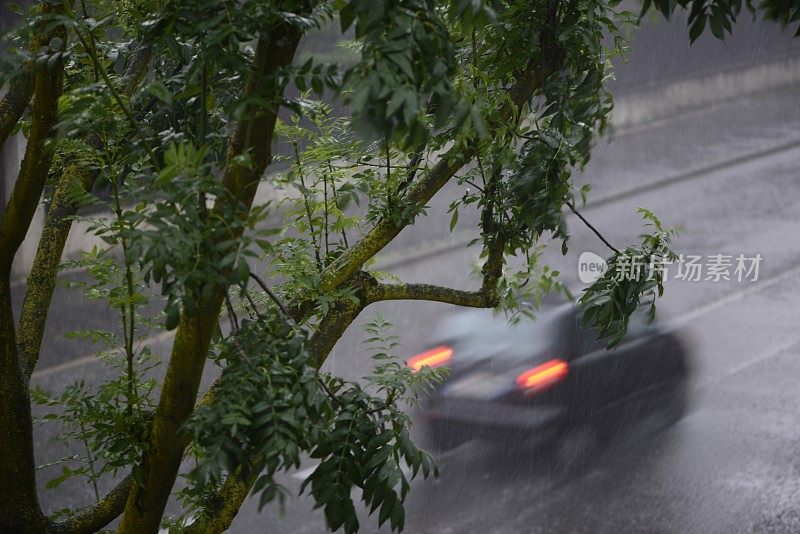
[(728, 174)]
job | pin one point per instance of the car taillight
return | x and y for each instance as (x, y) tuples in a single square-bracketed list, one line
[(432, 358), (543, 376)]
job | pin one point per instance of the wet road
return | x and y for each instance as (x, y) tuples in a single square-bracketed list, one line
[(728, 174), (732, 464)]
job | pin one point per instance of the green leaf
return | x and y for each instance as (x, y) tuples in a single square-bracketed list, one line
[(346, 15), (697, 28), (173, 314), (160, 91)]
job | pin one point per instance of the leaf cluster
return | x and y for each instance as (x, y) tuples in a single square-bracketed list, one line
[(721, 15), (271, 405), (634, 277)]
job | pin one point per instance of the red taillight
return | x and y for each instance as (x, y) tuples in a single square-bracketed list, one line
[(543, 376), (432, 358)]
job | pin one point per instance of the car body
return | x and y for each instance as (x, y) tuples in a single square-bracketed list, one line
[(540, 381)]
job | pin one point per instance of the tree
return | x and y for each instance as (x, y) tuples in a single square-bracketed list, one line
[(721, 15), (164, 115)]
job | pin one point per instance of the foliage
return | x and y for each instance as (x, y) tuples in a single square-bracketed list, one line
[(270, 404), (172, 112), (633, 276), (109, 420), (407, 61), (366, 441), (265, 406), (721, 15)]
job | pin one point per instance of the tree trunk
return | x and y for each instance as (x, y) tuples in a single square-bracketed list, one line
[(19, 505), (146, 503)]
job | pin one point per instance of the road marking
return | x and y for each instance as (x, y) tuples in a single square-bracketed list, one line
[(694, 110), (666, 100), (670, 325), (400, 258), (733, 296), (92, 358), (619, 133), (303, 474), (774, 353), (461, 239)]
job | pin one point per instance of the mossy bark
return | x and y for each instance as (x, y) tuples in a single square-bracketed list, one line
[(57, 224), (146, 502), (24, 200), (14, 102), (95, 517), (422, 191), (42, 278), (346, 270), (19, 505)]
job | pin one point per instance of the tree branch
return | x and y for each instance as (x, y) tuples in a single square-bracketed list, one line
[(14, 102), (433, 293), (333, 325), (24, 200), (226, 503), (592, 228), (420, 192), (19, 504), (252, 135), (346, 271), (57, 225), (329, 330), (95, 517), (90, 50), (270, 293), (20, 91)]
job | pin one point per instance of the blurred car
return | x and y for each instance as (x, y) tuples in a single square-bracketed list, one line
[(547, 382)]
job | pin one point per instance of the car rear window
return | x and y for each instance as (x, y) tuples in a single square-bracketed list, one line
[(478, 334)]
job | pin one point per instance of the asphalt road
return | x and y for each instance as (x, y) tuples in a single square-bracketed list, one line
[(732, 464), (728, 174)]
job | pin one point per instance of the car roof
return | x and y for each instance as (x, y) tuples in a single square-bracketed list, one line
[(481, 332), (478, 332)]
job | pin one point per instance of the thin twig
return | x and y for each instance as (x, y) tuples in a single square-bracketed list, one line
[(330, 393), (269, 292), (310, 217), (90, 50), (473, 184), (252, 303), (365, 164), (86, 16), (390, 197), (325, 205), (231, 314), (413, 167), (238, 347), (336, 202), (90, 460), (592, 228)]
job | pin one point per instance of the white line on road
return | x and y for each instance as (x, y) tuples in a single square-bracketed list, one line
[(461, 239), (671, 325), (773, 353), (398, 259), (754, 287), (91, 358), (305, 473)]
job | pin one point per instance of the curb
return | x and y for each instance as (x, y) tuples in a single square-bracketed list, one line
[(645, 105), (654, 103)]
